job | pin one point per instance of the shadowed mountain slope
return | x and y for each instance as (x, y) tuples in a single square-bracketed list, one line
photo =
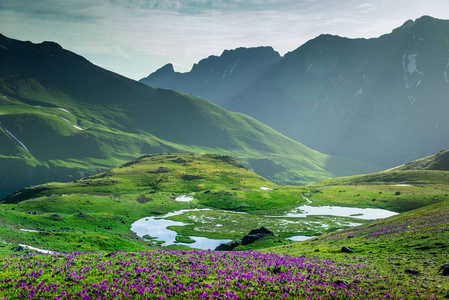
[(62, 118), (381, 100)]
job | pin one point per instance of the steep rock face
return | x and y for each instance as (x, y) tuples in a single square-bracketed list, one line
[(382, 100), (218, 78)]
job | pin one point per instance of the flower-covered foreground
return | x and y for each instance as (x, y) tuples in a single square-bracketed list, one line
[(197, 275)]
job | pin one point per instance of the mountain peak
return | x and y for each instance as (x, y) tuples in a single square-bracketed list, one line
[(167, 69)]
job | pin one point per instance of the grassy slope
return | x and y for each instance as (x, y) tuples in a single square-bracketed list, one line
[(438, 161), (404, 250), (96, 213), (45, 90), (394, 258), (399, 191)]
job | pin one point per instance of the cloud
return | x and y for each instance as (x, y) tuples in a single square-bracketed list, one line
[(138, 36)]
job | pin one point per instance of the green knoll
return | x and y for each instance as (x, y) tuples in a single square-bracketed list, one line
[(96, 213)]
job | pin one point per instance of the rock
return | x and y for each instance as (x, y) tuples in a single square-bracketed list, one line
[(250, 238), (189, 177), (262, 231), (397, 193), (345, 249), (227, 247), (180, 161), (163, 170), (444, 269), (341, 281), (411, 271), (256, 234)]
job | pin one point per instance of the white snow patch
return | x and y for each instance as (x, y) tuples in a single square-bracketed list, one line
[(17, 140), (233, 67), (408, 85), (307, 199), (37, 249), (29, 230), (359, 92), (63, 109), (1, 46), (445, 72), (265, 188), (74, 125), (307, 71), (411, 63), (184, 198)]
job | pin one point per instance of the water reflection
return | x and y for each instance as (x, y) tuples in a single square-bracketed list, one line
[(157, 227)]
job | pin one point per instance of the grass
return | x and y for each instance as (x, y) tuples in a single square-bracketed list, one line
[(395, 258), (407, 249), (397, 191), (105, 205)]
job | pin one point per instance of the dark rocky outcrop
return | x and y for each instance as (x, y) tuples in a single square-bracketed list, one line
[(228, 246), (248, 239), (444, 269), (190, 177), (256, 234), (347, 250)]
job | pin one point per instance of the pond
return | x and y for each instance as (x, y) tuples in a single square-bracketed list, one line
[(339, 211), (156, 227)]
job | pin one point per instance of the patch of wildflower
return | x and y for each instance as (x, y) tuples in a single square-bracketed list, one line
[(193, 274)]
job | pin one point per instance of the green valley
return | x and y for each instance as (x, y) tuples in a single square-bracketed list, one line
[(63, 118)]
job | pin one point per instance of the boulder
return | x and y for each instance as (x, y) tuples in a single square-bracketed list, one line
[(444, 269), (347, 250), (256, 234), (227, 247)]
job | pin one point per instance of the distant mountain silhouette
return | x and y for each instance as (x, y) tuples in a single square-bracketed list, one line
[(382, 100), (218, 78)]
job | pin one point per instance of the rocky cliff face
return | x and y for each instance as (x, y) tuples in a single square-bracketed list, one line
[(381, 100), (219, 79)]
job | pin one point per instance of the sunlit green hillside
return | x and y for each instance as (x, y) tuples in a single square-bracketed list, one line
[(63, 118)]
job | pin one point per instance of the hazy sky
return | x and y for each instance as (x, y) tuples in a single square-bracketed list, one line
[(136, 37)]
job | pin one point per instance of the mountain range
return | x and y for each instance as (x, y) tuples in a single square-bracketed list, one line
[(381, 100), (63, 118)]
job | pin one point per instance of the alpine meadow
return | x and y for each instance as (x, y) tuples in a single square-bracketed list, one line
[(321, 173)]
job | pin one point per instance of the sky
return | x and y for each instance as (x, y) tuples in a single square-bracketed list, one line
[(136, 37)]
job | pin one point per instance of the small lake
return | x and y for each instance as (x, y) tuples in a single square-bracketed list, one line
[(156, 226), (339, 211)]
